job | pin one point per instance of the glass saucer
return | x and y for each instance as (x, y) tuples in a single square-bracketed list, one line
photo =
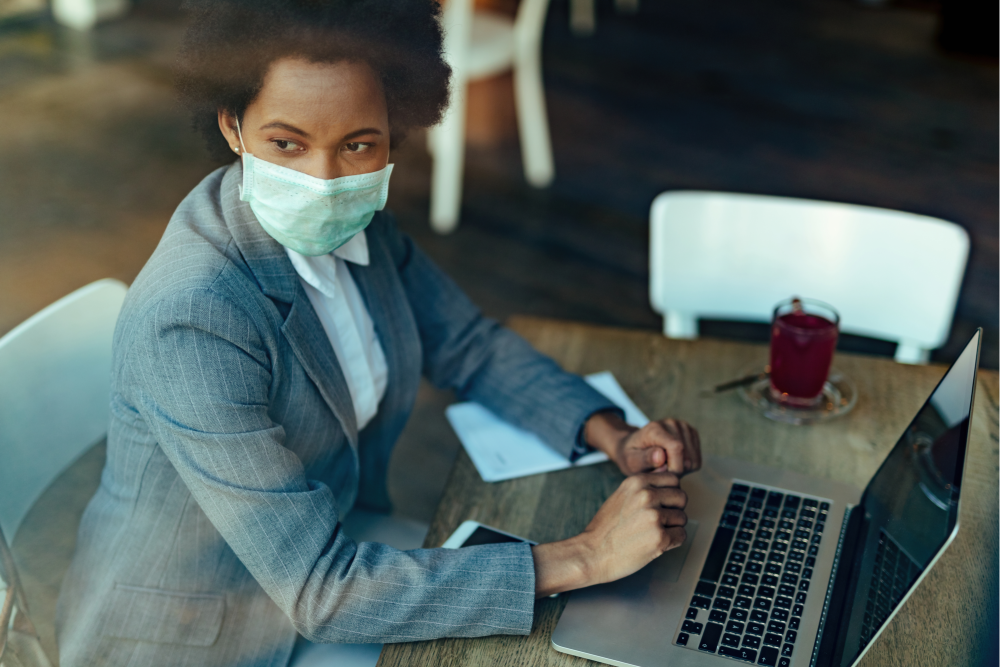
[(838, 398)]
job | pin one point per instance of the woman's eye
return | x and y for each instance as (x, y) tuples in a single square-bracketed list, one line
[(356, 146), (285, 145)]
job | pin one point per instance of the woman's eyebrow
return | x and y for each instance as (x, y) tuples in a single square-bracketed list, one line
[(358, 133), (286, 126)]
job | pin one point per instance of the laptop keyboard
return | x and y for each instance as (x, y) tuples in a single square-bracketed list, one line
[(753, 588), (894, 574)]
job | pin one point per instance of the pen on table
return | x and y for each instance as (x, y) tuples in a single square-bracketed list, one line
[(733, 384)]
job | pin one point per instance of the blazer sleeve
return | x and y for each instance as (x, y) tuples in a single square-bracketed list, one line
[(199, 376), (487, 363)]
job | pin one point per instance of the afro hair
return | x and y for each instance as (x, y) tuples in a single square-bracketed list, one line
[(230, 44)]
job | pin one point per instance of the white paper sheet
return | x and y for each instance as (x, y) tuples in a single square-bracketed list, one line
[(503, 451)]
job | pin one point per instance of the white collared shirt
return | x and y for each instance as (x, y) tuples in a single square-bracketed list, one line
[(341, 310)]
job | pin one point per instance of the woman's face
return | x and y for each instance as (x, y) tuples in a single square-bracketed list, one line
[(323, 119)]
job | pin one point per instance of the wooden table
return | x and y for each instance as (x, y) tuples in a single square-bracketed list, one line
[(947, 621)]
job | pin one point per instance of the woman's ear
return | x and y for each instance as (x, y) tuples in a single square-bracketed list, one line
[(227, 125)]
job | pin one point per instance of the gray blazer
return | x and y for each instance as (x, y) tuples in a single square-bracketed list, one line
[(233, 451)]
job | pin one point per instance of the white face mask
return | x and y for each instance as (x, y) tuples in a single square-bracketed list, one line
[(310, 215)]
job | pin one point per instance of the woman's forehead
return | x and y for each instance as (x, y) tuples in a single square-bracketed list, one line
[(331, 95)]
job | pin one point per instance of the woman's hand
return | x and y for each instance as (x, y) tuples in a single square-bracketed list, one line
[(642, 519), (667, 445)]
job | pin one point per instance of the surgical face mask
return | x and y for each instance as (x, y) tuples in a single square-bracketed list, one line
[(310, 215)]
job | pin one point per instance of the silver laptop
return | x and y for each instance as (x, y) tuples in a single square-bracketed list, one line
[(785, 570)]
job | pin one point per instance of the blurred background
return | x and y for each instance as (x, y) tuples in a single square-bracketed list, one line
[(891, 104)]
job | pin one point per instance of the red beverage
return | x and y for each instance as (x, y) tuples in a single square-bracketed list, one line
[(803, 337)]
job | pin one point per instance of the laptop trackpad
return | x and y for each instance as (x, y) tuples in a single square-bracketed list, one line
[(669, 565)]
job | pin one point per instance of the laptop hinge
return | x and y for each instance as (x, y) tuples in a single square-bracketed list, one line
[(836, 592)]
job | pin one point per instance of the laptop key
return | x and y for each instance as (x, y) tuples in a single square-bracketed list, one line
[(751, 641), (729, 580), (791, 636), (682, 639), (758, 493), (765, 592), (809, 502), (784, 662), (710, 638), (717, 554), (705, 589), (692, 628), (772, 639), (793, 624), (793, 567), (701, 603), (768, 656), (783, 602), (785, 589), (773, 568), (746, 591), (731, 640), (721, 603), (758, 616), (744, 535), (754, 628), (800, 598), (742, 488), (717, 616), (726, 592), (769, 580), (731, 568), (758, 556), (750, 579), (742, 602), (735, 627), (745, 654), (762, 604), (779, 614), (788, 578), (754, 567), (807, 573), (786, 650), (797, 610), (737, 557), (739, 614), (692, 613), (776, 627), (770, 513)]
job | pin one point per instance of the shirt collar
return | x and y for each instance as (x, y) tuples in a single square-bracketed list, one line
[(321, 272)]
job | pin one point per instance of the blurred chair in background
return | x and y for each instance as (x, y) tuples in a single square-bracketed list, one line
[(891, 275), (55, 378), (478, 45), (85, 14), (583, 17)]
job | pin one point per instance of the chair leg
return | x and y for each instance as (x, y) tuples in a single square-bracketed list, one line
[(449, 161), (581, 17), (680, 325), (532, 120), (910, 352)]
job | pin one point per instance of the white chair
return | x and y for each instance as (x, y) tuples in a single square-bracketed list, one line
[(85, 14), (582, 17), (55, 379), (891, 275), (478, 45)]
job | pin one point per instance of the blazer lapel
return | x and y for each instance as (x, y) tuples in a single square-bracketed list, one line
[(393, 320), (272, 269)]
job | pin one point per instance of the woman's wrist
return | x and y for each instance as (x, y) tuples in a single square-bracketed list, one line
[(562, 566), (606, 432)]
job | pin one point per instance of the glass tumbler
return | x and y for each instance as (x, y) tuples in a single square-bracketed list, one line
[(803, 337)]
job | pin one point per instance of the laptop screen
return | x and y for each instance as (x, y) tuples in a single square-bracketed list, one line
[(910, 507)]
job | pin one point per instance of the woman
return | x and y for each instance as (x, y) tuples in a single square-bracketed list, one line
[(267, 358)]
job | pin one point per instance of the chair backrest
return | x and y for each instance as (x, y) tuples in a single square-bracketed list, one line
[(55, 375), (891, 275)]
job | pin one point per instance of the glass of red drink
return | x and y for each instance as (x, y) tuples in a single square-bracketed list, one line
[(803, 337)]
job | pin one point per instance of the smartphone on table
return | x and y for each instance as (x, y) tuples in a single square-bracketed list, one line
[(473, 533)]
